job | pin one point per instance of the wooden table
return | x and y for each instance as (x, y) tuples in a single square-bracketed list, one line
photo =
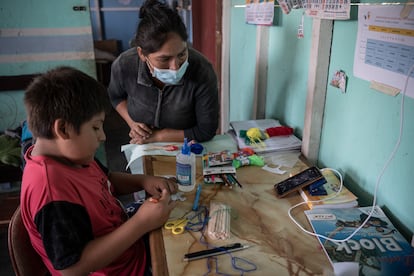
[(258, 219)]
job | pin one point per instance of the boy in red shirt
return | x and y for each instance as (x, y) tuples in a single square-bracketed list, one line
[(68, 203)]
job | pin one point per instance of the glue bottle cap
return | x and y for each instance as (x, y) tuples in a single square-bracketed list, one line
[(186, 149)]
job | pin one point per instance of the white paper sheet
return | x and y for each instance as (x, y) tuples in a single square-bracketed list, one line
[(384, 50)]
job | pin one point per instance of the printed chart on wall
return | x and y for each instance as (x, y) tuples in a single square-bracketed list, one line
[(384, 49), (260, 12)]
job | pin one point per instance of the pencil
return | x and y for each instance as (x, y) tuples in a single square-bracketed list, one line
[(227, 182), (233, 178)]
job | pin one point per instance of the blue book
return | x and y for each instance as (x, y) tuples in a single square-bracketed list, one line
[(376, 249)]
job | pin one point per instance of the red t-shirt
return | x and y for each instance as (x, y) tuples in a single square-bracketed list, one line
[(64, 207)]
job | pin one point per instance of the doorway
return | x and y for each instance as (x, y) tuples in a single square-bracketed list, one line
[(207, 37)]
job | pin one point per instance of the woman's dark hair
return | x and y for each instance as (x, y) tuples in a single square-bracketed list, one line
[(157, 20), (63, 93)]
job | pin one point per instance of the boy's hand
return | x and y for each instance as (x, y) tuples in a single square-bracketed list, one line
[(155, 184), (155, 214)]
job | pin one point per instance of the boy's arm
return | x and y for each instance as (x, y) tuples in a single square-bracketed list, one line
[(101, 251), (126, 183)]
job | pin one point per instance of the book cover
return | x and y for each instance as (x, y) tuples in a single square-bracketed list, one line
[(272, 144), (345, 199), (377, 249)]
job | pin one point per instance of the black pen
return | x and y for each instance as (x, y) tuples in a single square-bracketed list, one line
[(214, 252)]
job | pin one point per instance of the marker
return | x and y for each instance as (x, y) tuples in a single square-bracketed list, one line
[(214, 252), (197, 198)]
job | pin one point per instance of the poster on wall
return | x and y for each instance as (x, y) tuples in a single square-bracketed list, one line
[(260, 12), (384, 50), (322, 9), (328, 9)]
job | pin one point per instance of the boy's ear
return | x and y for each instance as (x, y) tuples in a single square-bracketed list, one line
[(60, 128)]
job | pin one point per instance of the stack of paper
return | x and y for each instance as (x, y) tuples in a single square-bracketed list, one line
[(272, 144)]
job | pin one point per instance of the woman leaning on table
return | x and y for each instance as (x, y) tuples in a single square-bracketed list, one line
[(162, 88)]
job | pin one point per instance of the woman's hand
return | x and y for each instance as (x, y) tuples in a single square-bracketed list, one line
[(139, 133)]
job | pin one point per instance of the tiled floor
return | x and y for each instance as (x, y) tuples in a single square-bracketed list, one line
[(116, 135)]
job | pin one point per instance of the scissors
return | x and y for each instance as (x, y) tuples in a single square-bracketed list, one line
[(177, 226)]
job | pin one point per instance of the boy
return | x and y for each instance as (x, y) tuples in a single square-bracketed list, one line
[(67, 199)]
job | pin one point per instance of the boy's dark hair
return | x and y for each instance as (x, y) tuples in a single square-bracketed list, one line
[(63, 93), (157, 21)]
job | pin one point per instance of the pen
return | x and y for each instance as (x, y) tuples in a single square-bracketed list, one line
[(214, 252), (197, 198)]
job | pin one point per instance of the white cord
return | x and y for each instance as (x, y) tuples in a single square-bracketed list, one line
[(374, 201)]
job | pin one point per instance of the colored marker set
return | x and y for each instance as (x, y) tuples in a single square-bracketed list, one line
[(218, 168)]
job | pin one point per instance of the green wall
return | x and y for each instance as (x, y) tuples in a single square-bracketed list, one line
[(287, 67), (38, 35), (360, 128), (288, 70), (242, 60), (35, 36)]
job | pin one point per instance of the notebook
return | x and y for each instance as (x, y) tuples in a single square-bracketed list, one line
[(272, 144)]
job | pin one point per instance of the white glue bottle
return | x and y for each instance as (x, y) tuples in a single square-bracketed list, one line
[(186, 168)]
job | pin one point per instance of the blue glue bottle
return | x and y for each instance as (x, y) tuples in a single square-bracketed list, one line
[(186, 168)]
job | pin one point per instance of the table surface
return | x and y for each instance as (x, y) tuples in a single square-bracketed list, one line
[(258, 219)]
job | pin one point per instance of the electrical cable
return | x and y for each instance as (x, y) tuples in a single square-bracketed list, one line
[(374, 201)]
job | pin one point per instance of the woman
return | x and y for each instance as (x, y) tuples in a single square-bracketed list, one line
[(162, 88)]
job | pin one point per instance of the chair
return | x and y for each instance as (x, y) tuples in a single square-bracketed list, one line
[(24, 258)]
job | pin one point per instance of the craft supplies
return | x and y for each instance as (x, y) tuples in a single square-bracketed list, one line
[(197, 198), (178, 196), (166, 148), (177, 226), (186, 168), (191, 221), (219, 221), (214, 251), (244, 160)]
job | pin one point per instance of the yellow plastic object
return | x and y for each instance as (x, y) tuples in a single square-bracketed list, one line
[(177, 226)]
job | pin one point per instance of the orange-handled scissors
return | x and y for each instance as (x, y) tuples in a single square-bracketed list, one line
[(177, 226)]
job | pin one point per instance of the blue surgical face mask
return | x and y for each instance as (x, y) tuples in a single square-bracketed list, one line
[(169, 76)]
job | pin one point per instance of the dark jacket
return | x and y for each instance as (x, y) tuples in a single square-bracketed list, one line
[(191, 105)]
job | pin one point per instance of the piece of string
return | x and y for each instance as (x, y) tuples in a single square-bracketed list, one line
[(197, 223)]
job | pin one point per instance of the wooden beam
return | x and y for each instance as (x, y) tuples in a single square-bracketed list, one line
[(317, 86), (225, 68), (261, 72)]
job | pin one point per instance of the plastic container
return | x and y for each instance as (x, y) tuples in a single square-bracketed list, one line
[(186, 168)]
